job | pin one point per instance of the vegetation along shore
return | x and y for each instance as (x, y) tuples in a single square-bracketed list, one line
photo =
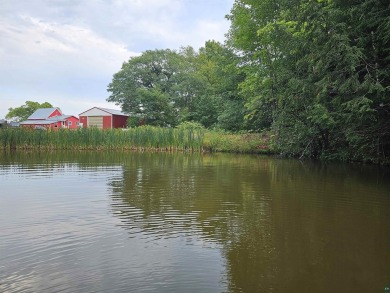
[(182, 138)]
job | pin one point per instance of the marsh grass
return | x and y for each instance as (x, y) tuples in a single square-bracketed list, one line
[(140, 138), (145, 137), (219, 141)]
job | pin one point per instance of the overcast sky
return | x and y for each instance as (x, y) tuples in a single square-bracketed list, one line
[(66, 51)]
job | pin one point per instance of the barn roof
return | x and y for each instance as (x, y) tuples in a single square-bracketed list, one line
[(46, 121), (110, 111), (42, 113), (114, 112)]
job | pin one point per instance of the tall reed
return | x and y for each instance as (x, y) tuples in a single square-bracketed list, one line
[(187, 137), (145, 137)]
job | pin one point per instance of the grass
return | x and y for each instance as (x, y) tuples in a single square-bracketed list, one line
[(217, 141), (139, 138)]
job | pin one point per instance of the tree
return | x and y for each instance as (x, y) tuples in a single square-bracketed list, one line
[(164, 87), (317, 73), (148, 87), (220, 104), (23, 112)]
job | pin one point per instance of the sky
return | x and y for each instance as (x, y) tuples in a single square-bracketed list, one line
[(65, 52)]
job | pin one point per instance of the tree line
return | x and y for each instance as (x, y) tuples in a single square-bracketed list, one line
[(167, 87), (313, 73)]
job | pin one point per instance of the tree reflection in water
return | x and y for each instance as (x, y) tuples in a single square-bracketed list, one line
[(282, 225)]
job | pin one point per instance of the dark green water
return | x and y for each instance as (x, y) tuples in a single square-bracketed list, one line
[(133, 222)]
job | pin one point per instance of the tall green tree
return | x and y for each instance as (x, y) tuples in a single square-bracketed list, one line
[(260, 33), (317, 72), (149, 87), (221, 105), (165, 87), (23, 112)]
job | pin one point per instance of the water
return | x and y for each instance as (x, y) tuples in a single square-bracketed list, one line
[(145, 222)]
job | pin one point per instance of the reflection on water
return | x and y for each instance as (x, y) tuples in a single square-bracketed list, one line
[(160, 222)]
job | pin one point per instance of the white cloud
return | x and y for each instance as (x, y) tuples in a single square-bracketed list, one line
[(67, 51), (41, 42), (56, 60), (210, 30)]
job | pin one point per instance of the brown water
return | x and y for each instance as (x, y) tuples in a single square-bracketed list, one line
[(133, 222)]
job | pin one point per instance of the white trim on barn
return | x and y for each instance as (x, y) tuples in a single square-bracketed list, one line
[(95, 112)]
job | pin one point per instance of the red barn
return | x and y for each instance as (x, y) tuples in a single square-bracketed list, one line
[(50, 118), (103, 118)]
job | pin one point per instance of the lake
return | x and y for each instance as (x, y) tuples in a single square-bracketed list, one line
[(174, 222)]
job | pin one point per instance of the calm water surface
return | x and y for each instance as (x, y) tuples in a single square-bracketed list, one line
[(144, 222)]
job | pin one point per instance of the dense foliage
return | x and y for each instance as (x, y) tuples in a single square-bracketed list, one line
[(317, 73), (165, 87), (313, 72)]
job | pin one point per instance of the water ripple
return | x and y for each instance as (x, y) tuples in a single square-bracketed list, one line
[(162, 223)]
